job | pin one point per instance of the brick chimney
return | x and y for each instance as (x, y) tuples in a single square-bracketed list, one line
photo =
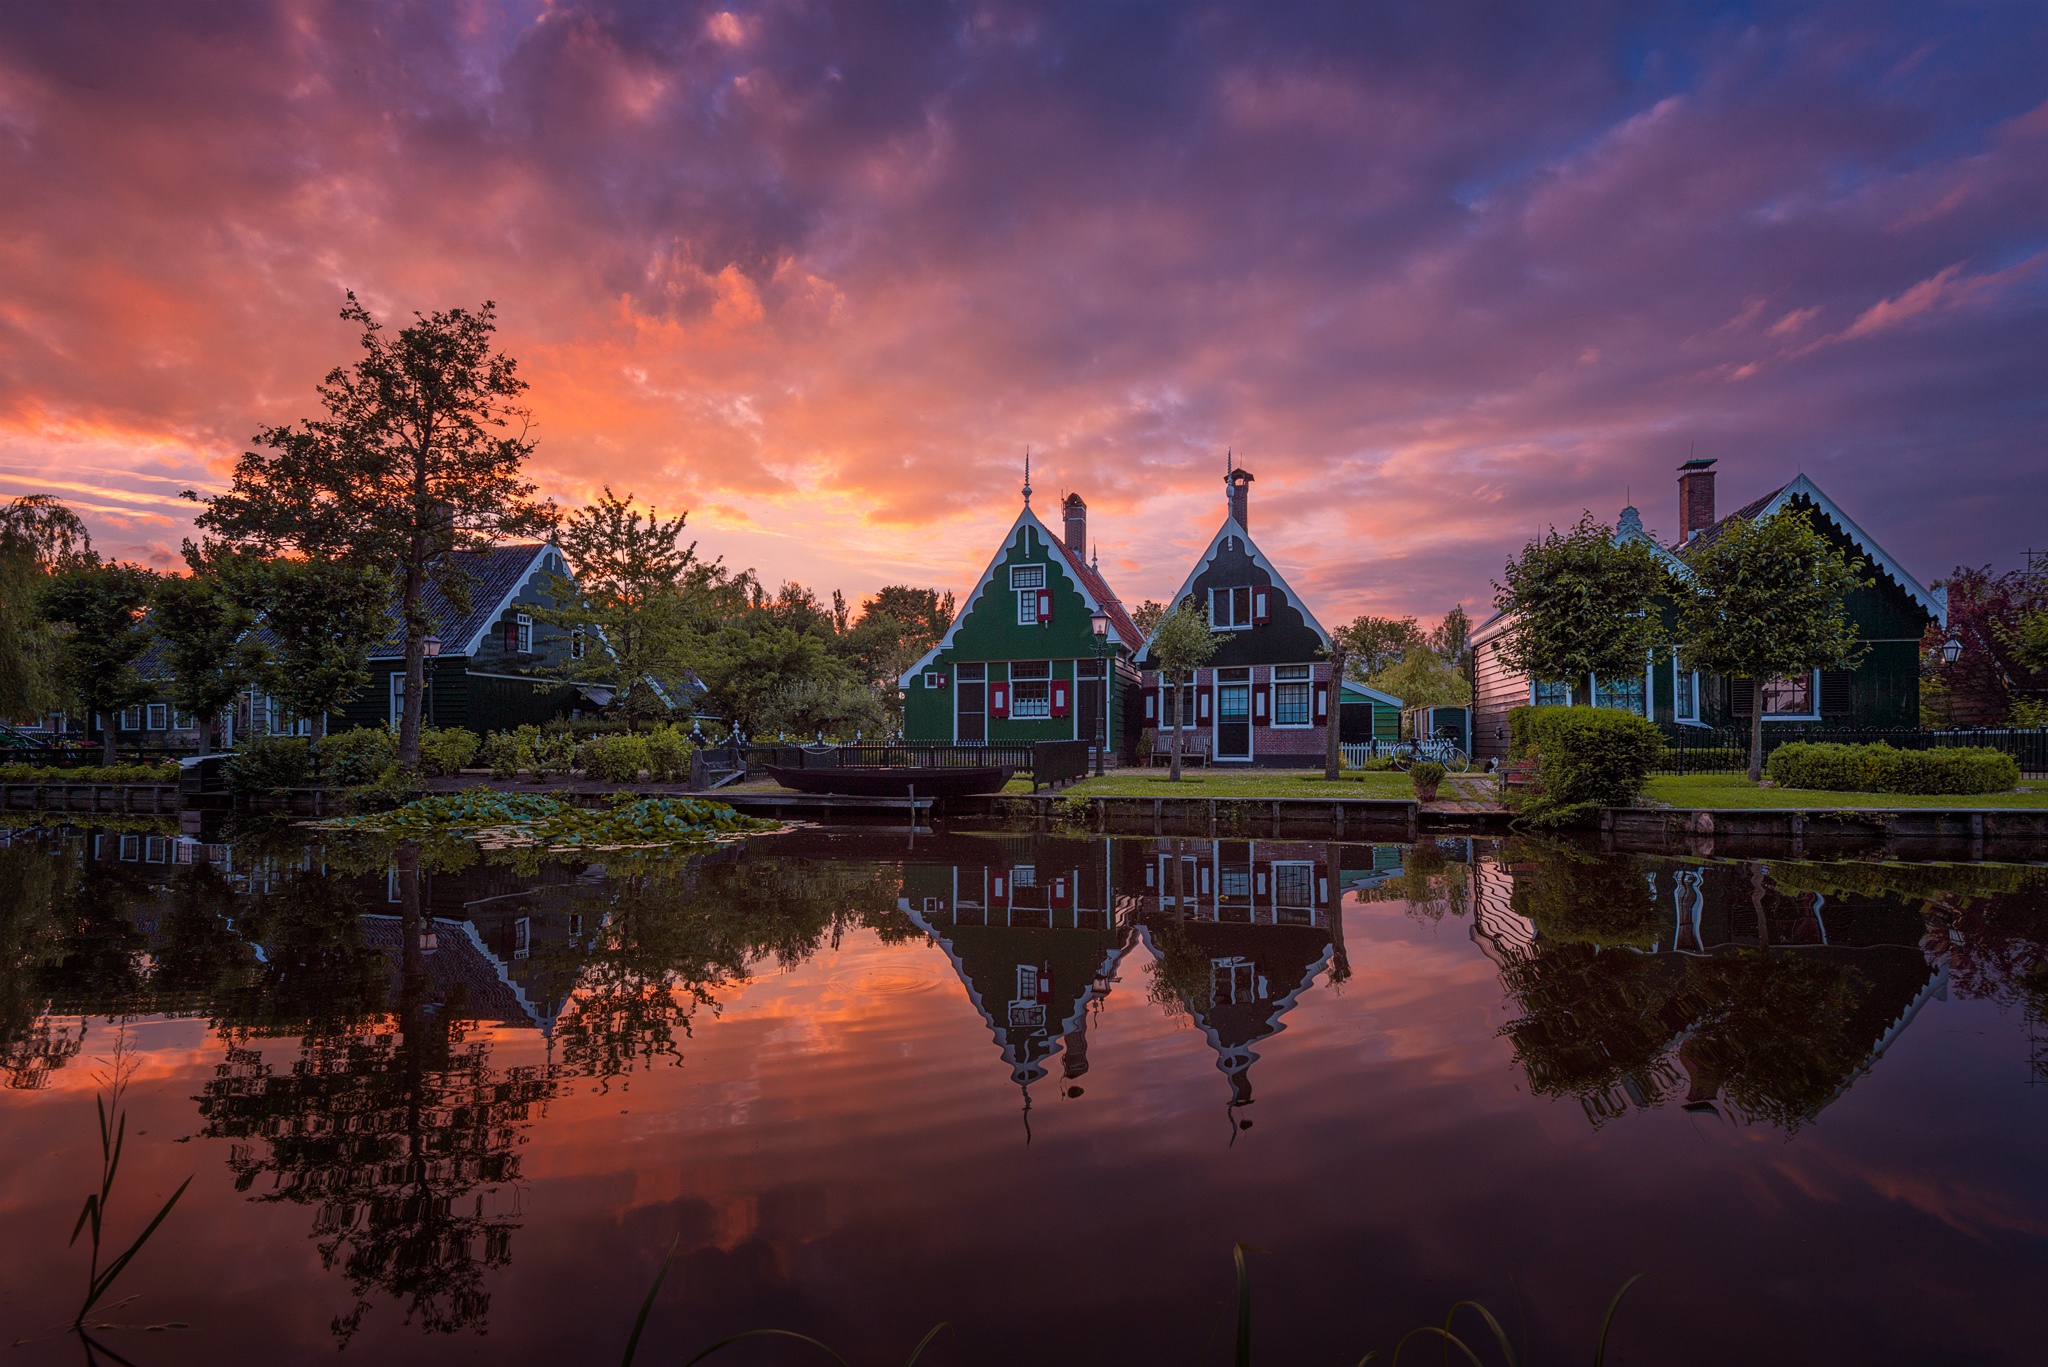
[(1240, 496), (1695, 498), (1076, 512)]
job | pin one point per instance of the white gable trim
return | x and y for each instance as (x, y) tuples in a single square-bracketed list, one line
[(1935, 601), (1058, 553), (1231, 527), (476, 641)]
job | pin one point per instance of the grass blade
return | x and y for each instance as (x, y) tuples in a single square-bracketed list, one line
[(1600, 1349), (1244, 1302), (92, 1205), (925, 1343), (731, 1339), (1450, 1341), (1500, 1335), (647, 1306), (106, 1278)]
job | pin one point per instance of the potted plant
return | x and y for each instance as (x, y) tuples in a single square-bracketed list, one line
[(1427, 775)]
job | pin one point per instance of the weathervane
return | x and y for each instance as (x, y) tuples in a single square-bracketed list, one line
[(1027, 477)]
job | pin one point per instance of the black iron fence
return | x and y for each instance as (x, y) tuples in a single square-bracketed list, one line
[(907, 755), (1700, 750)]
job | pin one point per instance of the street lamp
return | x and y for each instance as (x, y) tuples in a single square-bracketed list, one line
[(1950, 650), (430, 646), (1098, 622)]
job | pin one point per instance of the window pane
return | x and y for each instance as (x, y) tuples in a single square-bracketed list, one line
[(1241, 606), (1027, 576), (1290, 704), (1624, 695), (1553, 695), (1789, 697), (1031, 698)]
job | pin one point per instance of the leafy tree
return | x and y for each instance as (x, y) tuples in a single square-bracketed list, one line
[(39, 537), (1146, 616), (1423, 679), (1181, 644), (419, 455), (894, 628), (1990, 616), (747, 668), (1766, 598), (103, 605), (1373, 643), (204, 623), (1580, 602), (1451, 638), (626, 598), (321, 620)]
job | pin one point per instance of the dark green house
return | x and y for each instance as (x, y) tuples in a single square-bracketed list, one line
[(1021, 662), (1882, 690)]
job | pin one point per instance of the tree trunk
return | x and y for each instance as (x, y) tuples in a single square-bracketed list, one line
[(415, 673), (1179, 718), (1333, 755), (1756, 733), (107, 754)]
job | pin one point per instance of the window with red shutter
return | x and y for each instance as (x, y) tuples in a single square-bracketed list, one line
[(999, 700), (511, 638), (1045, 605), (1059, 697)]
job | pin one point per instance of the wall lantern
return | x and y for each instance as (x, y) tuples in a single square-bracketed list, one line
[(431, 645), (1950, 649), (1098, 621)]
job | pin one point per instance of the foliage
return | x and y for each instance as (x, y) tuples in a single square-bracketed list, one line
[(1570, 893), (446, 751), (268, 764), (896, 626), (2001, 623), (1427, 776), (1146, 616), (505, 819), (350, 759), (1372, 644), (505, 755), (321, 619), (1590, 757), (1767, 598), (103, 606), (203, 623), (1580, 602), (834, 706), (627, 597), (39, 538), (750, 668), (98, 773), (1451, 638), (1881, 769), (554, 754), (1181, 643), (1422, 679), (419, 454), (614, 759), (668, 754)]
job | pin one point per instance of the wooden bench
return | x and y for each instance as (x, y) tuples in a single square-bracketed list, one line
[(1194, 750)]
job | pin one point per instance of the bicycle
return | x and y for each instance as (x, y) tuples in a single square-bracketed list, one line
[(1442, 750)]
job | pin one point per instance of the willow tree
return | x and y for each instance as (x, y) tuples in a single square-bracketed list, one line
[(39, 538), (419, 454)]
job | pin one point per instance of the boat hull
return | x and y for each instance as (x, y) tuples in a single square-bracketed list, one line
[(859, 781)]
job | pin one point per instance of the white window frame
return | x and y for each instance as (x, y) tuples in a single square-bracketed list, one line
[(1027, 576), (1570, 695), (1593, 686), (1308, 703), (397, 698), (156, 717), (1690, 679), (1306, 870), (522, 624), (131, 719), (1813, 700), (1216, 622), (1231, 971)]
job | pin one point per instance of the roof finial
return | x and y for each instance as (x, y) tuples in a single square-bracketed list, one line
[(1027, 477)]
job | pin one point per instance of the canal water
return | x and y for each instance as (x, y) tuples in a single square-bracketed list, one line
[(440, 1105)]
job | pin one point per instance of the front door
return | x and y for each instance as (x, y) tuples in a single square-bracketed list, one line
[(970, 691), (1234, 721)]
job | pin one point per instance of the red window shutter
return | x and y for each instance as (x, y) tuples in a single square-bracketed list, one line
[(511, 638), (1261, 607), (1059, 891), (1045, 605), (1322, 883), (999, 700), (1045, 983), (1322, 704), (1059, 697), (1260, 715)]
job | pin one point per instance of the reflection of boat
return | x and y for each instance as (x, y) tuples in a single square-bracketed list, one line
[(878, 781)]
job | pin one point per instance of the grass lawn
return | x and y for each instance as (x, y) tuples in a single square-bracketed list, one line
[(1253, 783), (1733, 790)]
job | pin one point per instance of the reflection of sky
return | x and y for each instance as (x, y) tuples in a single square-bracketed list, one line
[(841, 1152), (1437, 276)]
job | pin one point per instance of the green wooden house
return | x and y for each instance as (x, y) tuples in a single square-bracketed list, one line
[(1882, 690), (1021, 662)]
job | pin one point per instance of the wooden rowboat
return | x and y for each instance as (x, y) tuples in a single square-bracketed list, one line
[(876, 781)]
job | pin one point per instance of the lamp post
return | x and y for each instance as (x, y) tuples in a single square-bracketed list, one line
[(1099, 623), (430, 647), (1951, 649)]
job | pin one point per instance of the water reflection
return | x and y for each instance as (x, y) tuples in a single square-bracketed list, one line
[(359, 996)]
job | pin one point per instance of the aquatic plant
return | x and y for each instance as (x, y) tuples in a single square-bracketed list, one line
[(536, 819), (113, 1133)]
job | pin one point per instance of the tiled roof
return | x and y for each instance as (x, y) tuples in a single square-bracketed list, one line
[(1705, 535), (1099, 588), (492, 574)]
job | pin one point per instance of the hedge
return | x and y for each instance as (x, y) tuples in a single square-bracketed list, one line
[(96, 773), (1881, 769), (1587, 757)]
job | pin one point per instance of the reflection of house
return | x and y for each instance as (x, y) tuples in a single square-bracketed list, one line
[(1738, 989), (1032, 929), (1881, 690), (1260, 917)]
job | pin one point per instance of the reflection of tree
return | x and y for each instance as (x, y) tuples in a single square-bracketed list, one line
[(1433, 887), (1572, 893), (31, 1048), (200, 956), (1595, 1024), (395, 1132), (321, 975), (1778, 1032)]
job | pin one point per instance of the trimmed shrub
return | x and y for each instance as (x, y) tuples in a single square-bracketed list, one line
[(1588, 758), (1427, 775), (501, 753), (668, 754), (447, 750), (89, 773), (350, 759), (553, 755), (268, 765), (1881, 769), (615, 758)]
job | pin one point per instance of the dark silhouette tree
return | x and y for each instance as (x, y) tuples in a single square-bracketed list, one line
[(102, 607)]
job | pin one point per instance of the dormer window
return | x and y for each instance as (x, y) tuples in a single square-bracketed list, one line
[(576, 645)]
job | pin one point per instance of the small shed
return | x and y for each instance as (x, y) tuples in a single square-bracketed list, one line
[(1366, 714), (1428, 723)]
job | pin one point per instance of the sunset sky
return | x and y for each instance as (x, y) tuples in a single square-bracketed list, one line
[(819, 273)]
